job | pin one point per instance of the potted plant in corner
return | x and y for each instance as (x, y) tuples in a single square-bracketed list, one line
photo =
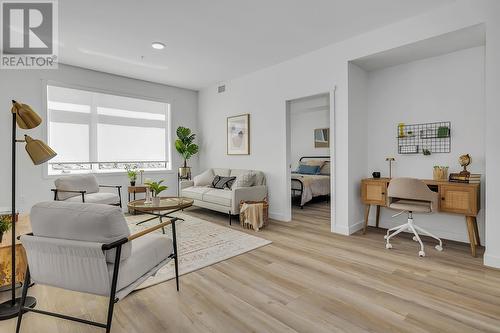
[(5, 224), (186, 148), (156, 188), (131, 173)]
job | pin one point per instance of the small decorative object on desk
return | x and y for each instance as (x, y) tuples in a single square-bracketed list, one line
[(131, 173), (254, 214), (440, 172), (465, 161), (376, 174), (390, 160)]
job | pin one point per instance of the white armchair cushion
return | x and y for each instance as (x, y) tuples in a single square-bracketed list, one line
[(204, 179), (147, 252), (86, 183), (83, 222), (105, 198)]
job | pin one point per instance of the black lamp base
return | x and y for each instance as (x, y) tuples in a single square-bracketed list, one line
[(7, 311)]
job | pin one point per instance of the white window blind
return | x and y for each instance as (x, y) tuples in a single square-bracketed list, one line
[(98, 132)]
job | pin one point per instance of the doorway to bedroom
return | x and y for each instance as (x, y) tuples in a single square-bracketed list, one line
[(309, 163)]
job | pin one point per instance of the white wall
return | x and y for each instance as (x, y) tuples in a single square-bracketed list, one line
[(358, 122), (444, 88), (305, 117), (263, 95), (27, 86)]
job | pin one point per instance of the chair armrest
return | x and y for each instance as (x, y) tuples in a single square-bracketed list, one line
[(253, 193), (185, 184), (69, 191), (113, 186), (151, 229)]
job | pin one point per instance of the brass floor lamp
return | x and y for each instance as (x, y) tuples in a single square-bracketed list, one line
[(24, 116)]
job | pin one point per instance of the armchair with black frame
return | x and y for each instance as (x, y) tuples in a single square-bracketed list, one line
[(84, 188), (88, 248)]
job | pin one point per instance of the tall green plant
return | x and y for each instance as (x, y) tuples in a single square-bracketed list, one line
[(184, 143)]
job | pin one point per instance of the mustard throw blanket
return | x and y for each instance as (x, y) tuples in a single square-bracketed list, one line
[(252, 215)]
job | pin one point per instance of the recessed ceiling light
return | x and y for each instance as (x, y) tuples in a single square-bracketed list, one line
[(158, 45)]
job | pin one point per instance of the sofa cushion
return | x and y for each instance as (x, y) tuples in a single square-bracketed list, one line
[(204, 179), (86, 183), (219, 197), (260, 179), (195, 192), (82, 222), (222, 172), (245, 179), (147, 252), (222, 182)]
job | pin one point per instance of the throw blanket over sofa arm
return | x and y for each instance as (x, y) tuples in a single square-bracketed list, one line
[(254, 193)]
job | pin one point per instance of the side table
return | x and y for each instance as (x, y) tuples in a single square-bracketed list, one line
[(133, 190)]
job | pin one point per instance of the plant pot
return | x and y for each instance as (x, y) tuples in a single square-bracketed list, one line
[(132, 183), (184, 172), (156, 201)]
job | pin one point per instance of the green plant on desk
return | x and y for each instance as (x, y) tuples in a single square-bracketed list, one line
[(131, 173)]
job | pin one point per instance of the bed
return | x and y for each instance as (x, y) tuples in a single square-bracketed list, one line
[(305, 187)]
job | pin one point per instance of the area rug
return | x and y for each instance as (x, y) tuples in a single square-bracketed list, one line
[(200, 244)]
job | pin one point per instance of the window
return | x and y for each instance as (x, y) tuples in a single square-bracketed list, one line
[(97, 132)]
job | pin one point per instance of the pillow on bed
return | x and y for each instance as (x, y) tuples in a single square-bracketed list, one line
[(308, 169), (314, 163), (325, 169)]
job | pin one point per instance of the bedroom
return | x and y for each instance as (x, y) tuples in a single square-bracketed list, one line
[(309, 142)]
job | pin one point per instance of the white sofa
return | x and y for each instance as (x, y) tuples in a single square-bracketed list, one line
[(223, 200)]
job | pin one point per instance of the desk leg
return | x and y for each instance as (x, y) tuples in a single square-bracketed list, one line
[(476, 232), (378, 215), (367, 213), (472, 237)]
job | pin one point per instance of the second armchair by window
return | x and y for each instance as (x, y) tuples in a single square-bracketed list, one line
[(84, 188)]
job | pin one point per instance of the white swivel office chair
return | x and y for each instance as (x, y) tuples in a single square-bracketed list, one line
[(412, 196)]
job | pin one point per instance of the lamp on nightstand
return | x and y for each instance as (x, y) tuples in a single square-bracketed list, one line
[(24, 116)]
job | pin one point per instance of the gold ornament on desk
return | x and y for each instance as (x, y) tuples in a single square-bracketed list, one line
[(465, 160)]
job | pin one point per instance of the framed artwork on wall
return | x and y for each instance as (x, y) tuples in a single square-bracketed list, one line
[(322, 138), (238, 135)]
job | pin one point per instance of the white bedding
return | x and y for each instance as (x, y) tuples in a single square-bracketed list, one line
[(314, 185)]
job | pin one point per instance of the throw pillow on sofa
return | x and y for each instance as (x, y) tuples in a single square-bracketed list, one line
[(246, 179), (204, 179), (222, 182)]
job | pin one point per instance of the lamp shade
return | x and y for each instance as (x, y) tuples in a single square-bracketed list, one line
[(38, 150), (26, 118)]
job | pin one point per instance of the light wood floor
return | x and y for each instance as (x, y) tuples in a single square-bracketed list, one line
[(308, 280)]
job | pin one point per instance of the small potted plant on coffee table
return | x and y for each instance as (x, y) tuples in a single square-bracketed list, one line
[(5, 225), (131, 173), (156, 188)]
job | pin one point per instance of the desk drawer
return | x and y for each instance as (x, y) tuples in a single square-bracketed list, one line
[(374, 192), (459, 199)]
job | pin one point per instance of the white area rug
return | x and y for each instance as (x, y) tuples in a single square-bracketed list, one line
[(200, 244)]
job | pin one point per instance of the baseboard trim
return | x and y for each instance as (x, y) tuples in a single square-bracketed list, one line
[(491, 261), (279, 217)]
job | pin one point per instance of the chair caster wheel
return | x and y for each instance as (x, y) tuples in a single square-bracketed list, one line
[(439, 248), (421, 253), (415, 239), (388, 246), (385, 236)]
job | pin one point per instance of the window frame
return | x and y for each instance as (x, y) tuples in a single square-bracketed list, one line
[(168, 128)]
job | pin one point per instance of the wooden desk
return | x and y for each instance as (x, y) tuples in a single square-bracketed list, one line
[(23, 226), (133, 190), (455, 198)]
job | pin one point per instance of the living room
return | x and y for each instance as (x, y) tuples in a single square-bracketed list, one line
[(182, 121)]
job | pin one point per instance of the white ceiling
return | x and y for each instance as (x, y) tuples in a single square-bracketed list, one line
[(457, 40), (213, 40)]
